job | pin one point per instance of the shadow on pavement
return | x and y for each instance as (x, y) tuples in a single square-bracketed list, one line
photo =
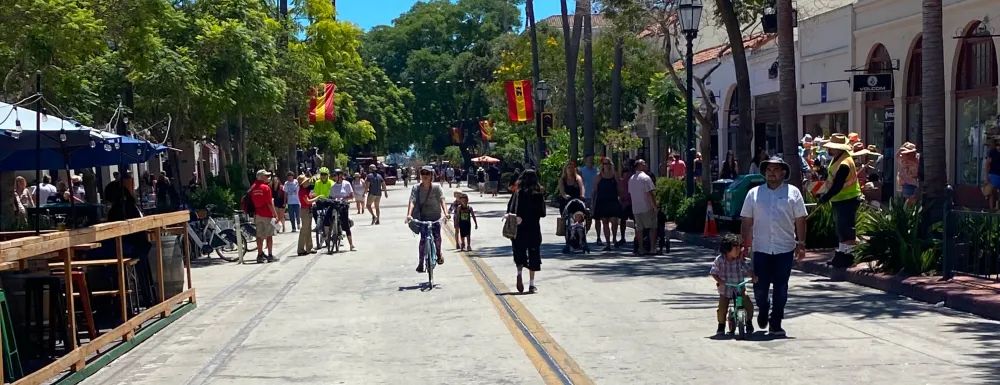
[(987, 355)]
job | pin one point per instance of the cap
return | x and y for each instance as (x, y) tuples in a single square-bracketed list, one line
[(262, 173), (427, 168), (807, 138)]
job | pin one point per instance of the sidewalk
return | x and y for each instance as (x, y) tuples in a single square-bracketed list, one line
[(968, 294), (621, 316)]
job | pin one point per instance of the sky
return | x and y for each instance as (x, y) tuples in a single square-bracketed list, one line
[(369, 13)]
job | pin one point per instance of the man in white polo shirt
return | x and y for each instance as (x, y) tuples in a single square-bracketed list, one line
[(774, 227)]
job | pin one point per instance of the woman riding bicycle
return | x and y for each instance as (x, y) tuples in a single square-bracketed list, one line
[(342, 192), (427, 205)]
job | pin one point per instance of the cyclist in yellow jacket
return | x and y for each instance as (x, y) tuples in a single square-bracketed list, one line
[(843, 191)]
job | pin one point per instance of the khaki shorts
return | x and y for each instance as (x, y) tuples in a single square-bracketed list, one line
[(374, 198), (646, 220), (263, 226)]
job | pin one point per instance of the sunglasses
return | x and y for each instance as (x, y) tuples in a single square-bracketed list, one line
[(425, 173)]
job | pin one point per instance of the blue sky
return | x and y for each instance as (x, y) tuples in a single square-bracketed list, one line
[(369, 13)]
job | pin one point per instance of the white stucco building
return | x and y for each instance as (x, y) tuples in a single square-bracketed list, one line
[(887, 37)]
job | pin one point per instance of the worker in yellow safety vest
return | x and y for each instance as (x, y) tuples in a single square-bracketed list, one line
[(844, 194)]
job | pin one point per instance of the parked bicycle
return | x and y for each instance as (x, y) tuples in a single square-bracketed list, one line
[(207, 236)]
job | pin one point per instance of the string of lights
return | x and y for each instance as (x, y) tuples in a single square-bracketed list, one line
[(474, 118)]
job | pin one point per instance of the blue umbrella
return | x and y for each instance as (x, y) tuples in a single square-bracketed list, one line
[(113, 151), (18, 131)]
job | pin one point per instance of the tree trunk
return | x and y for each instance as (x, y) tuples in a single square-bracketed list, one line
[(571, 43), (588, 83), (788, 93), (225, 155), (932, 98), (745, 136), (616, 84)]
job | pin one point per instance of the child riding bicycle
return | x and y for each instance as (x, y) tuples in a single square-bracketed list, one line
[(730, 267)]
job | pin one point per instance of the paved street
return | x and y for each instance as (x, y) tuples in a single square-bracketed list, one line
[(605, 318)]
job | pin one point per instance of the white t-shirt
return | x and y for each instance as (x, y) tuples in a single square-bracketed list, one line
[(341, 190), (46, 191), (638, 185), (291, 192), (774, 213)]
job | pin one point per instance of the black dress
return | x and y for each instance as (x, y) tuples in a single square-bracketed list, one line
[(526, 247), (607, 204), (574, 192)]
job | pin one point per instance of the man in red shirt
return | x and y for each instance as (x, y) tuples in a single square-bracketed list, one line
[(264, 213), (678, 169)]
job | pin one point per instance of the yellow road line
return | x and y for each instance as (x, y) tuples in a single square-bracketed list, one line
[(552, 362)]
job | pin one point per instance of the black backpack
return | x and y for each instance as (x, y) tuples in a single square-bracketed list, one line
[(247, 203)]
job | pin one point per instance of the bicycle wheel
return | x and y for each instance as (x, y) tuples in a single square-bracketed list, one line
[(230, 236), (335, 238), (431, 260), (249, 240), (741, 324)]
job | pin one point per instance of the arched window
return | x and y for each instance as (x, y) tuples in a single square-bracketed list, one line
[(733, 121), (914, 86), (876, 102), (976, 103)]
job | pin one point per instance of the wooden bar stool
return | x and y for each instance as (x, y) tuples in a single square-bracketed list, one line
[(80, 285), (39, 290)]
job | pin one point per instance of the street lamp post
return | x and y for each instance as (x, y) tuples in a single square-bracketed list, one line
[(689, 12), (541, 95)]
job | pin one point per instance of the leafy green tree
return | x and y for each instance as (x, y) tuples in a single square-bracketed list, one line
[(452, 154)]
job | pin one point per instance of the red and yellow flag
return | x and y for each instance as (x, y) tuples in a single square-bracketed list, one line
[(321, 105), (486, 130), (520, 106)]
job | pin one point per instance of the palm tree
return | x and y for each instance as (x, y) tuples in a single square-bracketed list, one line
[(745, 135), (789, 96), (932, 99), (616, 83), (588, 81), (571, 43)]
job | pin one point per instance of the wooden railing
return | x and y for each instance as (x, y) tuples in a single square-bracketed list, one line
[(64, 244)]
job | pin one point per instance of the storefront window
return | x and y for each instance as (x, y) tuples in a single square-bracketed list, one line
[(773, 132), (826, 124), (971, 142), (875, 118), (914, 121), (876, 102), (976, 103), (914, 88)]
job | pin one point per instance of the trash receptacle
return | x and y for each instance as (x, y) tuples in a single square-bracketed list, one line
[(732, 201), (719, 189), (173, 266)]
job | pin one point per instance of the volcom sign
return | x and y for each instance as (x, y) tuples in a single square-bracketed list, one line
[(872, 83)]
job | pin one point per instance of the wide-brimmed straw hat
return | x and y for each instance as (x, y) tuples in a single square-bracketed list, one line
[(838, 142), (907, 148), (776, 160)]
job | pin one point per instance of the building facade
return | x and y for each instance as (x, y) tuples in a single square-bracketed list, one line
[(887, 39)]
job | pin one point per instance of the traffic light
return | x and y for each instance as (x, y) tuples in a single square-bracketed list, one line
[(548, 123)]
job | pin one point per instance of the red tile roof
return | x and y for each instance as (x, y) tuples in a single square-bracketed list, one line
[(709, 54)]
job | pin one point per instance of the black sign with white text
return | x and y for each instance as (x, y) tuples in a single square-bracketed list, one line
[(872, 83)]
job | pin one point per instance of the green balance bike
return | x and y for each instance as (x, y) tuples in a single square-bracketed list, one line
[(738, 317)]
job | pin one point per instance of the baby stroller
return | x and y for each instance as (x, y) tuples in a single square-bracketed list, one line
[(576, 235)]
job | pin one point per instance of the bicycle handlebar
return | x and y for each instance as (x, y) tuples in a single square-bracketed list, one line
[(739, 285)]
